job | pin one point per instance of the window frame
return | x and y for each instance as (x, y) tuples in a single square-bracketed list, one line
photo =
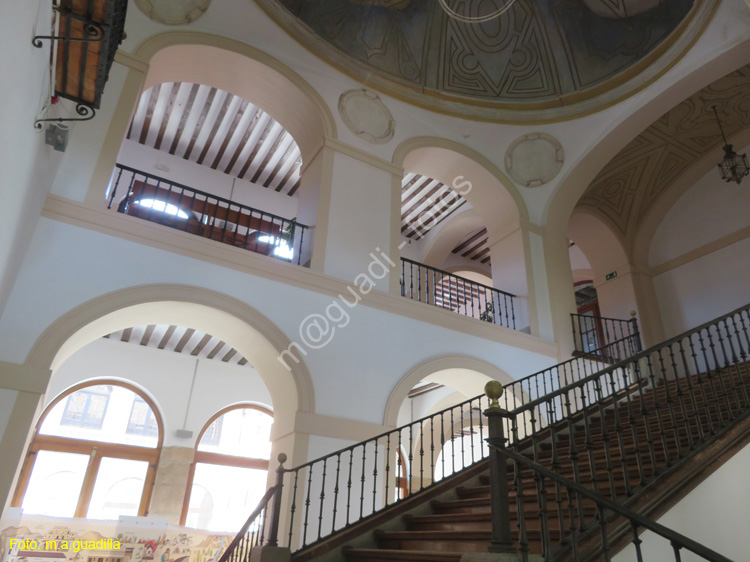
[(81, 423), (206, 457), (131, 428), (96, 450)]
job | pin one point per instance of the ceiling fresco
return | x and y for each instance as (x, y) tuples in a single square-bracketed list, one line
[(539, 52)]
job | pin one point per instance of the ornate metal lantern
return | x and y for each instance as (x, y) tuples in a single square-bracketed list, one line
[(734, 166)]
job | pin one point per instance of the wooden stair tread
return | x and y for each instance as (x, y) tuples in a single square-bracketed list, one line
[(405, 555)]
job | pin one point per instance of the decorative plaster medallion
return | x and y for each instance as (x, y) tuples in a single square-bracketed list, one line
[(534, 159), (173, 12), (366, 116)]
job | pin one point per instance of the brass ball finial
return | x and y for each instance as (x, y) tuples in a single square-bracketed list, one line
[(493, 390), (633, 313), (281, 458)]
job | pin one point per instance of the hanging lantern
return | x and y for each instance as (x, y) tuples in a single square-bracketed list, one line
[(734, 166)]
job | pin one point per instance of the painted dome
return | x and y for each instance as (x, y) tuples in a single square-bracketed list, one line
[(553, 58)]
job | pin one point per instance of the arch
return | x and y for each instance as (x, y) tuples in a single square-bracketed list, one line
[(251, 333), (459, 364), (107, 445), (445, 160), (105, 381), (706, 67), (600, 243), (222, 458), (227, 409), (246, 71)]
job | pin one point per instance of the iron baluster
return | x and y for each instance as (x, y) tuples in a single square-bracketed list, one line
[(388, 467), (293, 509), (349, 487), (336, 491), (307, 505), (375, 477), (362, 480), (322, 498)]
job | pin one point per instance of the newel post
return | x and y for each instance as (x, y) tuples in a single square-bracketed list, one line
[(501, 538), (273, 535), (271, 551)]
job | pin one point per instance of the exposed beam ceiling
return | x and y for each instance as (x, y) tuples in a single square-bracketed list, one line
[(180, 340), (217, 129)]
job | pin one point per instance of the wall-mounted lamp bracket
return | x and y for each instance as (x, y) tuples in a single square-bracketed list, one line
[(94, 31), (87, 114)]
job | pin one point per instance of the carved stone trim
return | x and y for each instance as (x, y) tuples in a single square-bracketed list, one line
[(173, 12), (534, 159), (366, 116)]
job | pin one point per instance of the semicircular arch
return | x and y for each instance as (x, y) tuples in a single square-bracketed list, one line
[(458, 364), (238, 324)]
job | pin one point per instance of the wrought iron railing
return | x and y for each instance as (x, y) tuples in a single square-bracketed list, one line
[(160, 200), (637, 419), (577, 495), (593, 334), (558, 412), (440, 288), (332, 493)]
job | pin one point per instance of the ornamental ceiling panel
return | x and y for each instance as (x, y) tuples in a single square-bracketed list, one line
[(631, 183), (540, 54)]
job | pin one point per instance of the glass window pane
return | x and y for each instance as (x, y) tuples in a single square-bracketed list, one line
[(55, 484), (118, 488), (111, 414), (243, 432), (223, 496)]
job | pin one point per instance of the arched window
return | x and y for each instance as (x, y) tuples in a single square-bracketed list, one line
[(228, 476), (94, 454)]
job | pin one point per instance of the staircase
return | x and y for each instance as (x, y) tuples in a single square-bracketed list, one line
[(582, 454), (464, 524)]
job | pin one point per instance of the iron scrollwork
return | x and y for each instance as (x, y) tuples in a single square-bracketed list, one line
[(86, 112)]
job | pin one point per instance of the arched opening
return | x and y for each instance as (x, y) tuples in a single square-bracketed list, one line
[(459, 212), (252, 335), (230, 469), (93, 454), (231, 145)]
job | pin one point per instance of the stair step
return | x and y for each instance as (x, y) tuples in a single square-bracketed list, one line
[(375, 554)]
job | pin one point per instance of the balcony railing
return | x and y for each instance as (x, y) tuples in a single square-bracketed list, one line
[(440, 288), (594, 335), (172, 204)]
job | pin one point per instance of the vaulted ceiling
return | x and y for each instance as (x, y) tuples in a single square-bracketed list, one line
[(219, 130), (632, 181)]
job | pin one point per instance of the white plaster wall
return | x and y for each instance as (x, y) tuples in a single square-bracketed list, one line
[(27, 165), (578, 259), (166, 377), (203, 178), (715, 514), (7, 401), (709, 210), (704, 288), (359, 218), (85, 143), (353, 375)]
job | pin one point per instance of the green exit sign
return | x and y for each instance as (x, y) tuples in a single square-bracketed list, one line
[(610, 276)]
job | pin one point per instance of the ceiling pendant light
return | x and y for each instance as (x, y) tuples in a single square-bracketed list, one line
[(475, 19), (734, 167)]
